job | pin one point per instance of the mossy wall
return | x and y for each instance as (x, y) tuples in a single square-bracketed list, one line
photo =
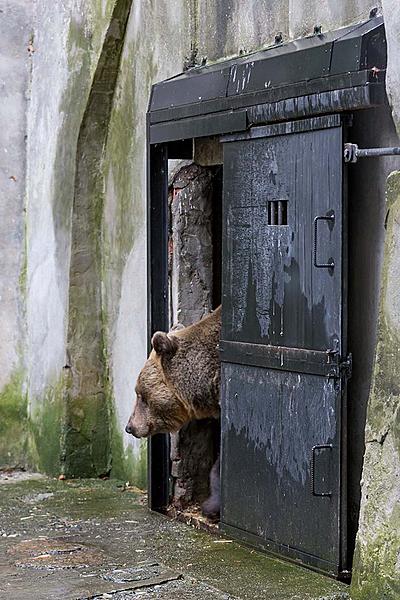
[(67, 46), (377, 556), (14, 432), (154, 49)]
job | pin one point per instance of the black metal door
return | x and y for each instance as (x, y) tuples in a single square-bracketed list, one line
[(284, 339)]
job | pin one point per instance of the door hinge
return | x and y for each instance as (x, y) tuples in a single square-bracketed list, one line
[(352, 152), (346, 366), (340, 367)]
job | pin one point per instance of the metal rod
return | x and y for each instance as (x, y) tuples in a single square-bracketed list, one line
[(352, 152), (363, 152)]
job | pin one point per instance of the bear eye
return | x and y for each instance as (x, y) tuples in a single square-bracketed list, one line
[(143, 399)]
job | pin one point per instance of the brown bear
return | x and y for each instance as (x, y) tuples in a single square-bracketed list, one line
[(179, 382)]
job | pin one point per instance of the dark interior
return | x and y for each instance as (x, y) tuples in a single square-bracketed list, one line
[(197, 447)]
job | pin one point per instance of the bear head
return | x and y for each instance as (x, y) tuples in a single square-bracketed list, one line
[(180, 379), (159, 407)]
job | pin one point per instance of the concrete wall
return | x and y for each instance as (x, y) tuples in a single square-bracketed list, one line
[(68, 40), (72, 171), (78, 149), (93, 66), (15, 65)]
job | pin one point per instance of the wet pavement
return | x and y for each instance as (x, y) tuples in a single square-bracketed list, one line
[(97, 539)]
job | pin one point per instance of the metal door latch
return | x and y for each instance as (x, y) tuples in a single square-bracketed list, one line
[(352, 152), (330, 218), (313, 465)]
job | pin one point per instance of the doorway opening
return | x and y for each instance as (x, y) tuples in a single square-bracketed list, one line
[(194, 290)]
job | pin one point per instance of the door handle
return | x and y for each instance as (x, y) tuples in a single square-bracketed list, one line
[(330, 217), (318, 447)]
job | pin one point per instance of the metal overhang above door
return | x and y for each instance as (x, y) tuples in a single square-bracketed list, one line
[(327, 72)]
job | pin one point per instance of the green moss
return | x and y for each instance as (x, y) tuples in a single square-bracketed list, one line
[(122, 168), (376, 576), (87, 426), (124, 158), (86, 439), (84, 45), (393, 188), (14, 431), (123, 173), (47, 425), (120, 160), (126, 464), (385, 390)]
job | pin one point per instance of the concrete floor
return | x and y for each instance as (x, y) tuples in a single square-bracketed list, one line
[(95, 539)]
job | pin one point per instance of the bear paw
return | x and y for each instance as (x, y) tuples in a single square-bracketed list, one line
[(211, 508)]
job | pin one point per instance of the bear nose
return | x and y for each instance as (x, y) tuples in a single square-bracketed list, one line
[(128, 428)]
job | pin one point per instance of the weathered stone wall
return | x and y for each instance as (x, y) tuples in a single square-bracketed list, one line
[(86, 282), (366, 212), (377, 558), (191, 244)]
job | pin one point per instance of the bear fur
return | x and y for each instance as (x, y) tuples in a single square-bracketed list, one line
[(179, 382)]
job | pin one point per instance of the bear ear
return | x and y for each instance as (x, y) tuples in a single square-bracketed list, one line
[(163, 344)]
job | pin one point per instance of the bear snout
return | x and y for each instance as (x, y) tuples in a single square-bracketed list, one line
[(129, 428), (138, 431)]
